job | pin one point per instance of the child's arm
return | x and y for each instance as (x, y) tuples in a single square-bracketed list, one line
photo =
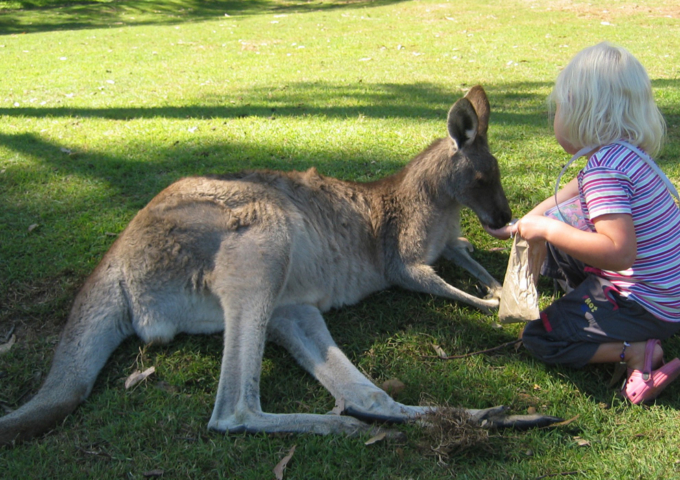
[(613, 246)]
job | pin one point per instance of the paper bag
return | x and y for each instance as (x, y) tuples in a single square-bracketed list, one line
[(519, 299)]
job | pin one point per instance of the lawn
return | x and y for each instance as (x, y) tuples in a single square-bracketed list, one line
[(105, 103)]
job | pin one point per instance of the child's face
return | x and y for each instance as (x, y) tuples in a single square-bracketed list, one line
[(560, 133)]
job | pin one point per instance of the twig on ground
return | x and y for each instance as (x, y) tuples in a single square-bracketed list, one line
[(453, 357), (558, 474)]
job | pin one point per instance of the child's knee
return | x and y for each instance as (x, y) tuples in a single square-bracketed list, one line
[(542, 345), (534, 339)]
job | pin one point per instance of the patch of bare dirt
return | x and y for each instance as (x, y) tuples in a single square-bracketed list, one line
[(615, 10)]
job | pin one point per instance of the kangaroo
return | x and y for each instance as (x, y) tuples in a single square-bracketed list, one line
[(260, 255)]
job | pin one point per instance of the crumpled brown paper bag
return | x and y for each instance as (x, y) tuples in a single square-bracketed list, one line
[(519, 299)]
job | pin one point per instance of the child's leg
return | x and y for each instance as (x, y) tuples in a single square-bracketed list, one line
[(572, 329), (633, 354)]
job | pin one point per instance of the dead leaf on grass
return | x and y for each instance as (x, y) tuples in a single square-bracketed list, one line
[(33, 227), (581, 442), (378, 438), (440, 351), (137, 377), (281, 466), (4, 348), (393, 386)]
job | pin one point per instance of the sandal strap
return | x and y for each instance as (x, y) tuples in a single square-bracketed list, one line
[(649, 354)]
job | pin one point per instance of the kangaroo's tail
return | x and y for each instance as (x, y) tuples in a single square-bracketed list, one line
[(98, 323)]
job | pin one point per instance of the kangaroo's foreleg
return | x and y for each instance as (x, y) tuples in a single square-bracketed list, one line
[(422, 278), (458, 252)]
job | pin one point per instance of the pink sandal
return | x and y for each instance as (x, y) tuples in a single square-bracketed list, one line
[(645, 385)]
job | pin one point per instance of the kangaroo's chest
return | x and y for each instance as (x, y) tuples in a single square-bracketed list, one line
[(437, 233)]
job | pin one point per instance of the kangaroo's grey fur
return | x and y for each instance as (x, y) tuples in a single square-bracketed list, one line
[(260, 255)]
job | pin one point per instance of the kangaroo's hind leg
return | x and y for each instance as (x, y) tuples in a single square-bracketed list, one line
[(303, 332), (249, 278)]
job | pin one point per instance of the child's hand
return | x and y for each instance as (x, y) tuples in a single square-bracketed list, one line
[(534, 228), (502, 233)]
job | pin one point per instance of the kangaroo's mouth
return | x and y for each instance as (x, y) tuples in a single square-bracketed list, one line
[(493, 226)]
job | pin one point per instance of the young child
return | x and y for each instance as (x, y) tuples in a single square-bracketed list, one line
[(622, 265)]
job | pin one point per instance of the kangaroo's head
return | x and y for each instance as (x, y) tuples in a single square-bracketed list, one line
[(476, 179)]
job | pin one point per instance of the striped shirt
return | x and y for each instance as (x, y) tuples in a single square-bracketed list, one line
[(617, 180)]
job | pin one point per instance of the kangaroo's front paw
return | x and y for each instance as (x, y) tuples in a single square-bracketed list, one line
[(494, 292)]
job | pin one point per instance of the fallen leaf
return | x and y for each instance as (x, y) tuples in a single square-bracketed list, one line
[(394, 386), (4, 348), (581, 442), (440, 351), (137, 377), (281, 466), (33, 227), (379, 437)]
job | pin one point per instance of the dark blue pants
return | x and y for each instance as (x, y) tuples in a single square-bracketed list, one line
[(574, 326)]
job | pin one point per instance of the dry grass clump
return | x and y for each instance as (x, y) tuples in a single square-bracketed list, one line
[(449, 430)]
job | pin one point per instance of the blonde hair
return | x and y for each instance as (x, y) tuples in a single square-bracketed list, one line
[(604, 95)]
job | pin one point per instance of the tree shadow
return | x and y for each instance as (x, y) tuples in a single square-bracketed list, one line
[(327, 98), (54, 15)]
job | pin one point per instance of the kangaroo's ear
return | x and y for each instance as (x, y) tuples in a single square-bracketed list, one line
[(462, 123), (480, 102)]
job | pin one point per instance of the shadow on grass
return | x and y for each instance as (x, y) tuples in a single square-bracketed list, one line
[(51, 15), (328, 99), (163, 165)]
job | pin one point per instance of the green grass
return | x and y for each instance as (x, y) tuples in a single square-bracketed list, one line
[(103, 104)]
